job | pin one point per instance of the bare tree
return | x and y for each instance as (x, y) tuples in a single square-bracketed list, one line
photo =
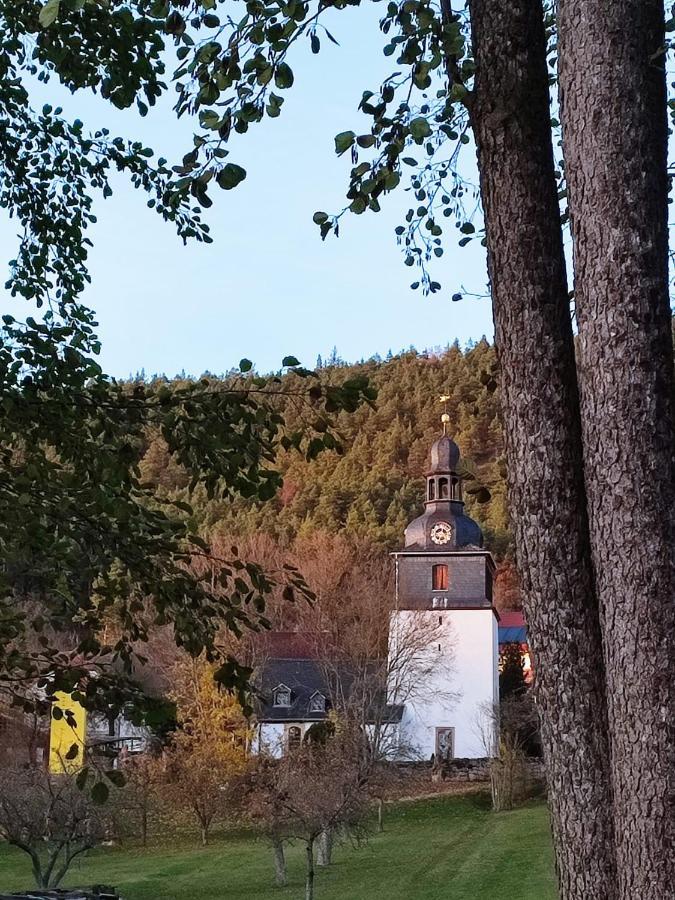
[(49, 818), (507, 730), (371, 662), (320, 788)]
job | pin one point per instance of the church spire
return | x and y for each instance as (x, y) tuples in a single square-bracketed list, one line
[(444, 525), (445, 418)]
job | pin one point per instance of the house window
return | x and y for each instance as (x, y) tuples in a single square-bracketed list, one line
[(439, 577), (282, 695), (294, 737), (445, 743), (317, 703), (443, 488)]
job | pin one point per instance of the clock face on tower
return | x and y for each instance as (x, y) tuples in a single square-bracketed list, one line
[(441, 533)]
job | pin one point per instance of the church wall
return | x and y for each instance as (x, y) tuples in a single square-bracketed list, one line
[(469, 581), (460, 691)]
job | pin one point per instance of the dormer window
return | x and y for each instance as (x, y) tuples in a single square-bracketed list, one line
[(317, 703), (282, 695)]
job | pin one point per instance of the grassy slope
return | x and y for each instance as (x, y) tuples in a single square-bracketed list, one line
[(453, 848)]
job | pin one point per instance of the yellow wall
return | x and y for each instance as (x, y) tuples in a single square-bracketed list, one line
[(63, 736)]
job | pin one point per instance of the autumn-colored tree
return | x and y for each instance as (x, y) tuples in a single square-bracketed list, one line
[(209, 749)]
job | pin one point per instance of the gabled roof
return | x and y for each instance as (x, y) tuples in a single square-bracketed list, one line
[(305, 678)]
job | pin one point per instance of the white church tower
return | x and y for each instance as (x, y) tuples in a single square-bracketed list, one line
[(444, 611)]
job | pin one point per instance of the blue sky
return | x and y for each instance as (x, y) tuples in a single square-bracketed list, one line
[(268, 286)]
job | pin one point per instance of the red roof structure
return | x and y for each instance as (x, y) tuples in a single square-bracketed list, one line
[(288, 645)]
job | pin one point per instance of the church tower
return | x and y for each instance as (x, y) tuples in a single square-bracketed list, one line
[(444, 613)]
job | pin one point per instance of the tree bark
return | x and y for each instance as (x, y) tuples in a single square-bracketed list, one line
[(615, 134), (540, 408), (309, 879), (280, 874), (325, 848), (380, 815)]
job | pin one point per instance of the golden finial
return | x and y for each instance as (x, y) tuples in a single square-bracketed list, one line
[(445, 418)]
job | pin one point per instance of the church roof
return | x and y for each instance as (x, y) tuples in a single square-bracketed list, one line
[(443, 526), (444, 456)]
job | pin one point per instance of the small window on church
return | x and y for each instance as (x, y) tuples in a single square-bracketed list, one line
[(432, 489), (439, 578), (456, 489), (443, 488)]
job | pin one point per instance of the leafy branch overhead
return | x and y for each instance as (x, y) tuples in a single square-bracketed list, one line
[(232, 73), (94, 557)]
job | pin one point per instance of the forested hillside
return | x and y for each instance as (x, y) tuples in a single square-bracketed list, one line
[(374, 487)]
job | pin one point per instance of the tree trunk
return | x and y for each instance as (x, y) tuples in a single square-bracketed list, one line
[(540, 408), (309, 880), (325, 848), (280, 875), (205, 834), (613, 109), (144, 827), (380, 815)]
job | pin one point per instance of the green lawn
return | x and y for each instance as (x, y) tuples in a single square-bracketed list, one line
[(444, 849)]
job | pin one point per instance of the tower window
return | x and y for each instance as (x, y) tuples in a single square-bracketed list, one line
[(439, 578), (443, 488), (432, 489), (456, 489)]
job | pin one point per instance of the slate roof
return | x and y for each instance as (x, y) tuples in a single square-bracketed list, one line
[(304, 678)]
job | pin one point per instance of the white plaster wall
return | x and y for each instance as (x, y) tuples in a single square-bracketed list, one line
[(460, 690), (271, 737)]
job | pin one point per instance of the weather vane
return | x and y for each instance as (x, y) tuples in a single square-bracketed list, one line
[(445, 418)]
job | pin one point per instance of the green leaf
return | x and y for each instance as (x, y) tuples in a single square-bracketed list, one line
[(116, 777), (365, 140), (73, 752), (420, 128), (245, 365), (283, 77), (230, 176), (290, 361), (100, 793), (344, 141), (319, 218), (49, 13)]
